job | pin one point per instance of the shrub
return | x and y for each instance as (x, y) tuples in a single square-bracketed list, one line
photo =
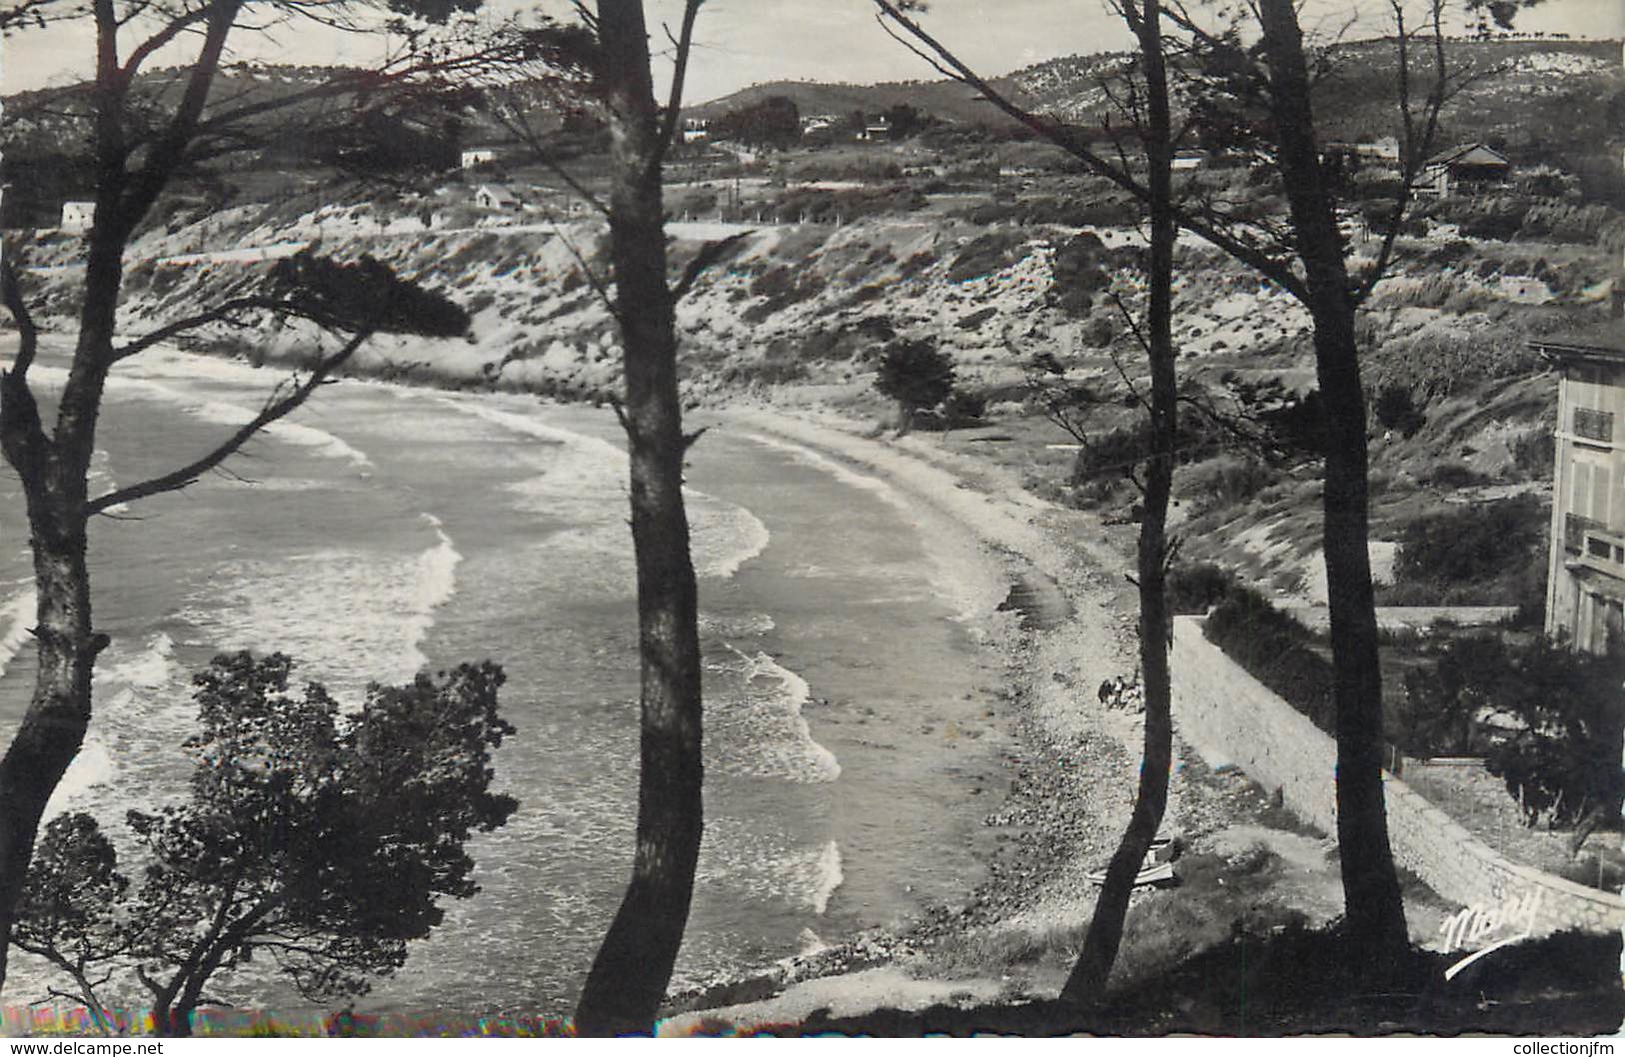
[(1534, 453), (1468, 299), (1224, 480), (1451, 475), (1558, 749), (985, 255), (1112, 454), (1395, 408), (916, 264), (782, 287), (1276, 650), (916, 374), (765, 372), (1079, 270), (1472, 544), (1500, 220), (1195, 588), (965, 406), (1098, 332)]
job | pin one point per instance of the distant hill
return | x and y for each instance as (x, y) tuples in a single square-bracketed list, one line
[(1559, 100), (1053, 87), (1563, 99)]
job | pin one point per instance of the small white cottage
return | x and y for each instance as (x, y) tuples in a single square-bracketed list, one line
[(496, 196), (77, 217)]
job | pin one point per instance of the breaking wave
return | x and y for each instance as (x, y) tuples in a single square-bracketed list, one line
[(349, 616), (15, 616), (764, 732)]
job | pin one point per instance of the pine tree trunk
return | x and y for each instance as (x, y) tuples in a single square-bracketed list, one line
[(1087, 982), (1375, 912), (53, 729), (634, 965), (54, 474)]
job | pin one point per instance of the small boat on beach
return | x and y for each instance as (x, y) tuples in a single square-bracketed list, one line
[(1157, 867), (1158, 873)]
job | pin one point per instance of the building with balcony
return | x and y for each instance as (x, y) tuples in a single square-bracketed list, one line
[(1585, 584)]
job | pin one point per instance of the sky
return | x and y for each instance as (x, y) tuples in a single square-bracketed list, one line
[(743, 42)]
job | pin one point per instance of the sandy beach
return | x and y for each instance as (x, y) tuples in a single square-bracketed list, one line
[(1066, 625), (1072, 762)]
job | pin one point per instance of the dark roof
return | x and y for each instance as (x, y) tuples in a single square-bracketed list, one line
[(1458, 153), (1600, 341)]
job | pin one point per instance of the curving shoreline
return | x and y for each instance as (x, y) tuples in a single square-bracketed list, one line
[(1061, 626)]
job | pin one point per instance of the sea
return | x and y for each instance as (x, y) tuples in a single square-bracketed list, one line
[(850, 746)]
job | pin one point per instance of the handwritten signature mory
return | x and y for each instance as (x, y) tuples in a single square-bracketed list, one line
[(1507, 922)]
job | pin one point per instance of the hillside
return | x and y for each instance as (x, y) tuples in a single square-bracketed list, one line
[(801, 312), (1558, 100)]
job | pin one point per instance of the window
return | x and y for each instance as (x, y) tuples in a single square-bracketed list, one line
[(1575, 527), (1593, 425)]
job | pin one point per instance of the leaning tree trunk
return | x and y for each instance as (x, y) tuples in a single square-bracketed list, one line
[(633, 967), (1375, 912), (53, 729), (1087, 982), (54, 473)]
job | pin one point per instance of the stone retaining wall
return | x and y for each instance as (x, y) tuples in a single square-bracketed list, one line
[(1231, 718)]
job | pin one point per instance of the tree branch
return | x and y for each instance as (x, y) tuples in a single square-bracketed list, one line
[(275, 408), (1070, 141), (674, 104), (223, 313), (27, 330), (167, 33)]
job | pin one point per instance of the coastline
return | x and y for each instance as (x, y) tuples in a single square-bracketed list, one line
[(989, 527), (1064, 626), (1069, 764)]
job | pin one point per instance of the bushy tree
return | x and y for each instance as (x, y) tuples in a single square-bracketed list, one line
[(916, 374), (138, 135), (774, 122), (320, 839), (1474, 544), (1561, 759), (69, 912)]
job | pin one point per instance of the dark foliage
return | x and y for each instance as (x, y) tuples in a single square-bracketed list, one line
[(1121, 451), (1395, 408), (774, 122), (985, 255), (1472, 544), (1194, 588), (1266, 980), (1083, 268), (1558, 739), (320, 840), (963, 407), (1276, 650), (364, 295), (915, 373), (384, 140), (1226, 480), (1535, 453)]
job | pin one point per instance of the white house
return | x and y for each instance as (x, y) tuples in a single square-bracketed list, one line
[(696, 131), (876, 129), (479, 156), (496, 196), (1463, 169), (78, 216)]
